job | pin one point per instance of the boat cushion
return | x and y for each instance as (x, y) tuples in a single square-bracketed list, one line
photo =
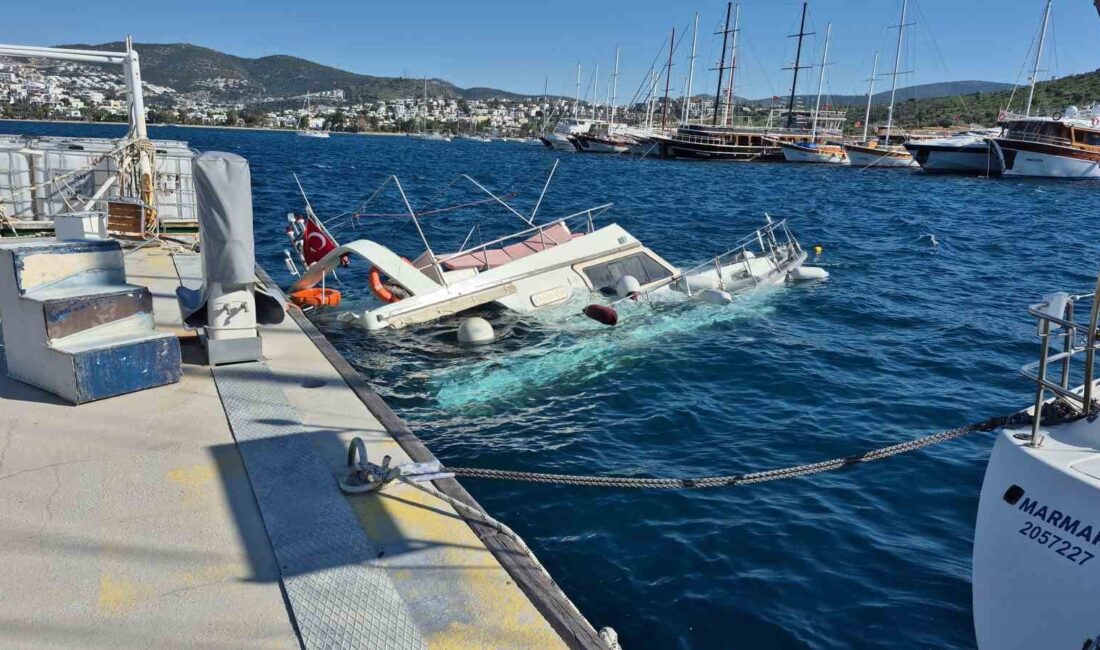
[(493, 257)]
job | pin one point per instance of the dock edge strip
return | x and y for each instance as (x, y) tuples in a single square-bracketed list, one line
[(545, 594)]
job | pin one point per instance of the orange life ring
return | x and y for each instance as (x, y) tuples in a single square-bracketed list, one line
[(377, 288), (316, 297)]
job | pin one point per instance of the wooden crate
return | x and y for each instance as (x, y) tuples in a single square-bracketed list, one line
[(126, 219)]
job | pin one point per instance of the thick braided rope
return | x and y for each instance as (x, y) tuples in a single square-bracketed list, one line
[(740, 479)]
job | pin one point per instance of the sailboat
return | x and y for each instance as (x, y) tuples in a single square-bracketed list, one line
[(428, 135), (750, 143), (310, 132), (603, 138), (814, 151), (885, 151)]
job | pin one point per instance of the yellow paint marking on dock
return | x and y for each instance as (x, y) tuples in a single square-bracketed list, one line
[(193, 476), (116, 596)]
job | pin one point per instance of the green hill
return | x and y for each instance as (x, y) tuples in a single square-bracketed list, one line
[(189, 68), (982, 107)]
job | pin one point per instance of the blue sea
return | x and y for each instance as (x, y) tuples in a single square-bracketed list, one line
[(921, 327)]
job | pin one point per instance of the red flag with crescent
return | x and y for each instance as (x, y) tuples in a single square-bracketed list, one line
[(316, 243)]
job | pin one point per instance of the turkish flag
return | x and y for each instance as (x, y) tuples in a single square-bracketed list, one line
[(315, 242)]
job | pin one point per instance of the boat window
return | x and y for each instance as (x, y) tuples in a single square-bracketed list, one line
[(1087, 137), (640, 265)]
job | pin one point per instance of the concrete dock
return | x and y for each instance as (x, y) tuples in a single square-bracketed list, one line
[(137, 521)]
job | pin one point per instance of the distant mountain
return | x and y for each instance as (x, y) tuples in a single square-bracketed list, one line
[(921, 91), (189, 68)]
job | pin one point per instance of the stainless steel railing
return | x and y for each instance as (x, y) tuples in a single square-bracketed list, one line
[(1057, 310)]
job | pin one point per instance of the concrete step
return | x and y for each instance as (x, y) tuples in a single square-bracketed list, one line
[(40, 263), (73, 310), (115, 365)]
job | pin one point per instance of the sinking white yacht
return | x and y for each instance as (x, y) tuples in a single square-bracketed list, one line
[(549, 264)]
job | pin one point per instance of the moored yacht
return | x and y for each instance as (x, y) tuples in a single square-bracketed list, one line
[(1065, 145), (969, 152)]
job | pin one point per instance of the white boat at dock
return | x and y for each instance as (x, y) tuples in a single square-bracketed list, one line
[(970, 152)]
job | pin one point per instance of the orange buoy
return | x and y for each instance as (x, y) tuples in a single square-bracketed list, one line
[(316, 297)]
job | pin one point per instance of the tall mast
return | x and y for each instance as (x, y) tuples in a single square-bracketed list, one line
[(894, 76), (722, 61), (614, 87), (821, 78), (797, 61), (595, 89), (870, 91), (668, 79), (576, 103), (1039, 55), (733, 63), (691, 72)]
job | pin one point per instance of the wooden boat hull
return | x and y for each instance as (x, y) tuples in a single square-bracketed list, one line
[(822, 154), (863, 156)]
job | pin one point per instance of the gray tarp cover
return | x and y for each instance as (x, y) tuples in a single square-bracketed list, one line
[(223, 187)]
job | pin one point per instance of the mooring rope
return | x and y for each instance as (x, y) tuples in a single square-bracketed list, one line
[(1052, 413)]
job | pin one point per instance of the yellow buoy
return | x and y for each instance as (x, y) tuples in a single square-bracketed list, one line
[(818, 249)]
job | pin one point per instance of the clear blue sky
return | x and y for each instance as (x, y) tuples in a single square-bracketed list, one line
[(514, 44)]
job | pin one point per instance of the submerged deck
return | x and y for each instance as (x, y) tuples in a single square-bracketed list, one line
[(135, 521)]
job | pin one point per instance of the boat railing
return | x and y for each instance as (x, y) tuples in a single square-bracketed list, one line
[(1056, 320), (775, 249), (585, 217), (1038, 138)]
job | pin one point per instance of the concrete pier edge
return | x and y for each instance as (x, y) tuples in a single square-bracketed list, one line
[(548, 598)]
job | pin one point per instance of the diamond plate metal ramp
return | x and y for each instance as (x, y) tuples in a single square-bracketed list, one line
[(338, 599)]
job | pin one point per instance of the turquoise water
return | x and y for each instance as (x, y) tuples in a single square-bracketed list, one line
[(920, 328)]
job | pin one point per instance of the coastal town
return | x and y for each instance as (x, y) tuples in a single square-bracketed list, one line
[(74, 91)]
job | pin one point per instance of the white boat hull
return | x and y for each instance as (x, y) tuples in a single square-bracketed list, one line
[(974, 158), (313, 134), (1048, 165), (803, 155), (1036, 565), (560, 142), (872, 158)]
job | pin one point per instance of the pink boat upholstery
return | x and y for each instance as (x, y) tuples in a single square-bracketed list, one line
[(493, 257)]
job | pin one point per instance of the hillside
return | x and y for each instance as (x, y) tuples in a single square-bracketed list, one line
[(982, 107), (920, 91), (192, 69)]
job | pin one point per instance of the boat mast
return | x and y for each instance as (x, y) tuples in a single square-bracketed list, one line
[(894, 75), (733, 63), (722, 62), (614, 88), (577, 102), (668, 79), (691, 73), (797, 60), (821, 79), (595, 89), (870, 91), (1039, 55)]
